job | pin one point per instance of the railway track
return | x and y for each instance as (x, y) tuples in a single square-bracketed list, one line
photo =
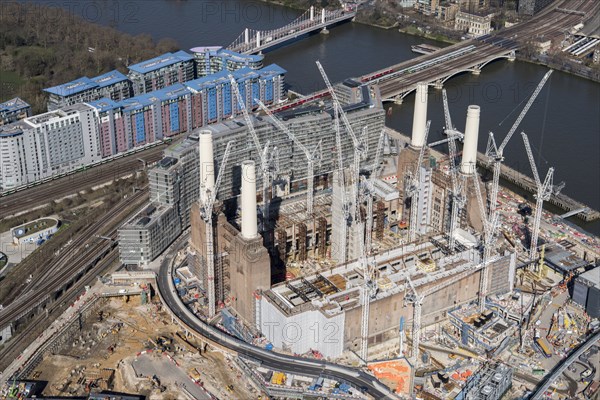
[(56, 275), (43, 194), (42, 320)]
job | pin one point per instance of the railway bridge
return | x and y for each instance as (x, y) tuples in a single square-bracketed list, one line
[(252, 41), (396, 82)]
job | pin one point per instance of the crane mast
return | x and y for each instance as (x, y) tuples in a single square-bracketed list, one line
[(342, 184), (370, 189), (206, 211), (457, 197), (414, 189), (495, 154), (544, 192), (265, 166), (310, 157), (360, 150), (489, 227)]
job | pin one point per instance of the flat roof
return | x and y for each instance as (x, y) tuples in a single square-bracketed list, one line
[(169, 93), (13, 129), (109, 78), (160, 62), (13, 105), (73, 87), (104, 104), (592, 276)]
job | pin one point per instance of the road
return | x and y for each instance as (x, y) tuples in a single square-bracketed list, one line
[(43, 194), (269, 359), (562, 366)]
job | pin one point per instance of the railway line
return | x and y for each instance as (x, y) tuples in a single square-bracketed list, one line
[(56, 278), (42, 194), (41, 321)]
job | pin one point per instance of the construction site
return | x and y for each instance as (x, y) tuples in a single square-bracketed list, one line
[(125, 343), (379, 247)]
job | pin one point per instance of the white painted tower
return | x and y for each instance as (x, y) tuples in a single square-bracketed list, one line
[(207, 165), (468, 164), (420, 116)]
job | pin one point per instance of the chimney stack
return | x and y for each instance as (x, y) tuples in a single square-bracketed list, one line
[(207, 164), (468, 164), (420, 116), (249, 218)]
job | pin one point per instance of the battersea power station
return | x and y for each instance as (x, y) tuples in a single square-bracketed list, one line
[(320, 229)]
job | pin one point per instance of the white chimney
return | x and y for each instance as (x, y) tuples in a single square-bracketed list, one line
[(249, 218), (469, 155), (207, 165), (420, 116)]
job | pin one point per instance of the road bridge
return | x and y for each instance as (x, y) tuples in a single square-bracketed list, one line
[(253, 41), (562, 366)]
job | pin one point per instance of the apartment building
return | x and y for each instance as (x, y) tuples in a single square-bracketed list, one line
[(162, 71), (113, 85), (14, 110)]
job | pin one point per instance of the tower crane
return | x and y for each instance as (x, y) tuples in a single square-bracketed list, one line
[(495, 154), (544, 192), (370, 191), (413, 188), (417, 301), (206, 212), (267, 167), (360, 149), (342, 184), (458, 199), (490, 224), (311, 158)]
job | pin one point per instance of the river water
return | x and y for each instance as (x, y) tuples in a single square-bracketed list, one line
[(563, 125)]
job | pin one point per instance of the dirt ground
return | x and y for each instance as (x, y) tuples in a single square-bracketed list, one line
[(124, 336)]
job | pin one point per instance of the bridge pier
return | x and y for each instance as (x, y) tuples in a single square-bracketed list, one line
[(398, 100), (476, 70), (438, 84), (512, 56), (325, 31)]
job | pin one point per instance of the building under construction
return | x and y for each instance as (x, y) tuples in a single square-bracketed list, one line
[(291, 272)]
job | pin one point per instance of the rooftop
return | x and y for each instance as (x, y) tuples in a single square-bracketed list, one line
[(109, 78), (13, 129), (104, 104), (73, 87), (336, 289), (160, 62), (169, 93), (13, 105), (85, 83), (592, 277)]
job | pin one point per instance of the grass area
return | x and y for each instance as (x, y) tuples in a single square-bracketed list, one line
[(10, 82)]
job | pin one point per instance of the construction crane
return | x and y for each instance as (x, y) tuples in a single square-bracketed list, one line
[(544, 192), (368, 289), (490, 223), (458, 199), (342, 184), (206, 212), (413, 188), (267, 166), (360, 148), (495, 154), (370, 192), (417, 299), (311, 158)]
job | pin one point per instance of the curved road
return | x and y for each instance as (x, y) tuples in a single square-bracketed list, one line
[(269, 359), (560, 368)]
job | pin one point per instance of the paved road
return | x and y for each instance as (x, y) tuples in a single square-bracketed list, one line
[(563, 365), (269, 359)]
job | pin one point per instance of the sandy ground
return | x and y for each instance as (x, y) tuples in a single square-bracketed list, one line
[(88, 351)]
